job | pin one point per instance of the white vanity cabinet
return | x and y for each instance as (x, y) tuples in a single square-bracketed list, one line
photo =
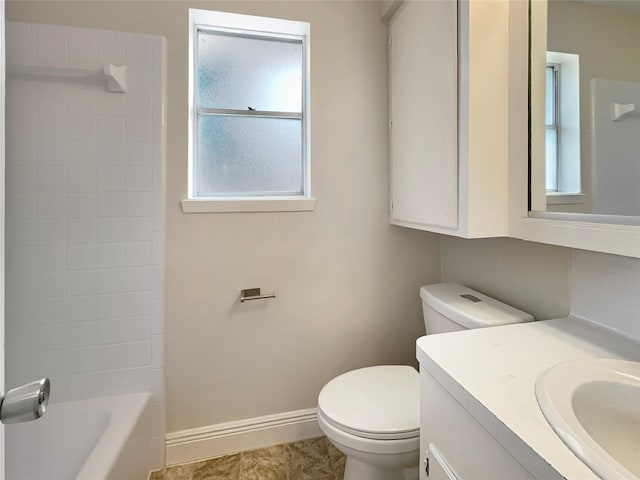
[(454, 445), (448, 116)]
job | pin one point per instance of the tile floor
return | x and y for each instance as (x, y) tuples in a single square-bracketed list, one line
[(314, 459)]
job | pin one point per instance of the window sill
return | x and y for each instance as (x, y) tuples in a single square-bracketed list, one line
[(248, 204), (561, 198)]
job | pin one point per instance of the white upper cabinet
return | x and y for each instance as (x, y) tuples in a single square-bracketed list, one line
[(448, 117)]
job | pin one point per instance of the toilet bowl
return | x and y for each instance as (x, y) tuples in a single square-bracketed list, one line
[(372, 414)]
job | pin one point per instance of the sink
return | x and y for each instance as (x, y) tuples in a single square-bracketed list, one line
[(594, 407)]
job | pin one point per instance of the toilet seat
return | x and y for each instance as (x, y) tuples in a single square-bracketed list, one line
[(378, 403)]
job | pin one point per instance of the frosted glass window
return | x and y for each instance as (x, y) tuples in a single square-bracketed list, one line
[(552, 129), (551, 160), (249, 156), (249, 97), (237, 72)]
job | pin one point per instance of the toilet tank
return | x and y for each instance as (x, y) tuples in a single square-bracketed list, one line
[(448, 307)]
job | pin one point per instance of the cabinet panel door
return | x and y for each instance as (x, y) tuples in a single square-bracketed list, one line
[(423, 114)]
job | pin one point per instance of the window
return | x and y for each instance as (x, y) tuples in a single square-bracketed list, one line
[(562, 165), (249, 114), (551, 142)]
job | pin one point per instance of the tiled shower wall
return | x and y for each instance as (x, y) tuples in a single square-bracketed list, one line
[(84, 216)]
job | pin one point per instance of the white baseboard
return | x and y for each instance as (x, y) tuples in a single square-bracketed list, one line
[(249, 434)]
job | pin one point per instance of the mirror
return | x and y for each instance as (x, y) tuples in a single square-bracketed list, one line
[(585, 112)]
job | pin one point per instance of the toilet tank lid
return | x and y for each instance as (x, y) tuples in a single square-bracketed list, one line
[(469, 308)]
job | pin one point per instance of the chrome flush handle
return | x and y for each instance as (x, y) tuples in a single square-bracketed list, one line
[(26, 402)]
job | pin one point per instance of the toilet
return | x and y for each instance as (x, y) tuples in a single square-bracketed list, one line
[(372, 414)]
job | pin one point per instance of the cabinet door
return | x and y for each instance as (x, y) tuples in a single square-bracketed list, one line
[(423, 114)]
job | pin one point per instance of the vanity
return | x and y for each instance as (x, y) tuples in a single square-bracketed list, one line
[(484, 172), (480, 417)]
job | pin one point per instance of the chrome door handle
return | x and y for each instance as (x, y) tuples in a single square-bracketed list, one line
[(26, 402)]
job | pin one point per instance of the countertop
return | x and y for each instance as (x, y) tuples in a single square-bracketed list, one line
[(492, 373)]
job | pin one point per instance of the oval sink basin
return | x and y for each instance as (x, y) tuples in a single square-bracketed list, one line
[(594, 407)]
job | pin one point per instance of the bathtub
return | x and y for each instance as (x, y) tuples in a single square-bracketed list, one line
[(94, 439)]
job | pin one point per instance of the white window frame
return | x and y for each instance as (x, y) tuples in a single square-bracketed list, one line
[(265, 27), (567, 97)]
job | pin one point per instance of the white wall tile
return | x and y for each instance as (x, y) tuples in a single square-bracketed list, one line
[(109, 255), (51, 258), (51, 46), (51, 151), (111, 103), (109, 229), (108, 280), (139, 50), (20, 260), (135, 304), (51, 284), (81, 309), (51, 179), (157, 317), (81, 257), (137, 279), (110, 127), (21, 286), (20, 179), (110, 204), (137, 129), (20, 232), (138, 204), (139, 79), (108, 306), (83, 48), (137, 229), (82, 334), (79, 243), (137, 254), (21, 105), (110, 152), (20, 150), (158, 283), (138, 179), (19, 311), (21, 44), (110, 178), (21, 206), (123, 329), (81, 230), (51, 121), (81, 205), (122, 355), (111, 50), (158, 247), (81, 282), (157, 355), (51, 205), (51, 310), (81, 152), (138, 154), (81, 126), (49, 231)]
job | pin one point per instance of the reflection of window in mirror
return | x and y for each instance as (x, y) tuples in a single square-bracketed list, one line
[(563, 180)]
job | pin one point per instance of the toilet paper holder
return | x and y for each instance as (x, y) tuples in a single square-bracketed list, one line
[(254, 294)]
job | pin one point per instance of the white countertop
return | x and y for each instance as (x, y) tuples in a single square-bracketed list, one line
[(498, 367)]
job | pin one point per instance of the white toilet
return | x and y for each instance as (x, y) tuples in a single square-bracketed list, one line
[(372, 415)]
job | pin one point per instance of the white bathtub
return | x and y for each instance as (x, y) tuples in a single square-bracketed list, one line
[(94, 439)]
